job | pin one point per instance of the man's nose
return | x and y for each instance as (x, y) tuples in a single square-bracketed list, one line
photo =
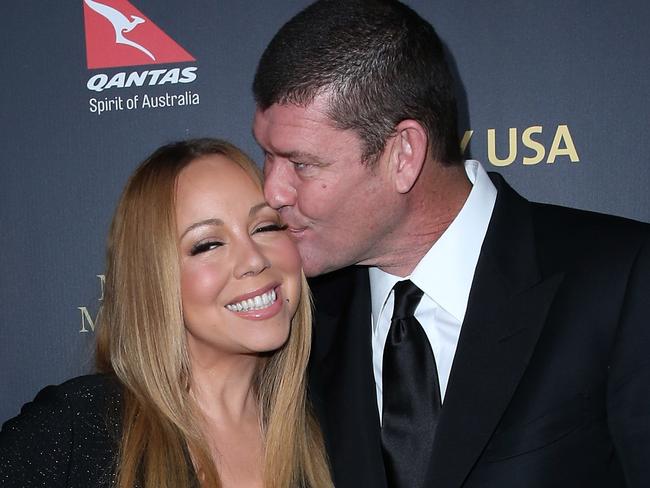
[(279, 190), (250, 259)]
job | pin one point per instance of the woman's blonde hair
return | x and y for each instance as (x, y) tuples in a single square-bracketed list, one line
[(141, 339)]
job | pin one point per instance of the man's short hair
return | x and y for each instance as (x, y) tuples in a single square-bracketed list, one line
[(377, 61)]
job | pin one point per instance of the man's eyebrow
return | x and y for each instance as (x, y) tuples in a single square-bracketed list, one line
[(301, 156), (201, 223), (310, 158)]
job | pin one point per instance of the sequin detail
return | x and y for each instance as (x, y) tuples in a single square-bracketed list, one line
[(66, 437)]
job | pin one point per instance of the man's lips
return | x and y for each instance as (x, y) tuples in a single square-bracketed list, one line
[(296, 231)]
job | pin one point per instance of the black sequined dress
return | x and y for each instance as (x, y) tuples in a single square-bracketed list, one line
[(66, 437)]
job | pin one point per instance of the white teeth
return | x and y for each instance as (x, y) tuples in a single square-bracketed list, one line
[(256, 303)]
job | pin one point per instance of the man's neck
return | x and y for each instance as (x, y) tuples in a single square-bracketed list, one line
[(431, 210)]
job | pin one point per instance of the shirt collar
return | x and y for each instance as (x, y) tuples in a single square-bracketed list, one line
[(446, 271)]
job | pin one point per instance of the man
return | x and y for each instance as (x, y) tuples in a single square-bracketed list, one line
[(529, 322)]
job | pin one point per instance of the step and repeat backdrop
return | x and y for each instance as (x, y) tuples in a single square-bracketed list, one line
[(553, 94)]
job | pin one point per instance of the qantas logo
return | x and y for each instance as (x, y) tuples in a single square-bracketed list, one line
[(118, 34)]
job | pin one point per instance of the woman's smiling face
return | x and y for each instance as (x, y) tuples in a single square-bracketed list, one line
[(240, 271)]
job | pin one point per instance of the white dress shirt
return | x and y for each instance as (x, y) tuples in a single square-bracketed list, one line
[(445, 275)]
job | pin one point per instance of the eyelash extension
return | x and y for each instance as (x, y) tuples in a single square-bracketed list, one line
[(206, 246), (203, 247), (272, 228)]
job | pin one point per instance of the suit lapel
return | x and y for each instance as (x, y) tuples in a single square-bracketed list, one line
[(342, 385), (507, 309)]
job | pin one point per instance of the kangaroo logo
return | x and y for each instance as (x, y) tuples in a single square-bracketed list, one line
[(117, 33), (121, 24)]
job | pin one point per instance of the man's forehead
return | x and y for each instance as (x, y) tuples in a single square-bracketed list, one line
[(294, 114), (289, 124)]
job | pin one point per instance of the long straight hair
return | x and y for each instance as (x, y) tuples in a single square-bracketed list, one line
[(142, 341)]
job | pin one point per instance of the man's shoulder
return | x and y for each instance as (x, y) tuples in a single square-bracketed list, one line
[(590, 242), (577, 229), (570, 228), (586, 220)]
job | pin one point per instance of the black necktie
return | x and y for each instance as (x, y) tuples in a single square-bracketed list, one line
[(411, 394)]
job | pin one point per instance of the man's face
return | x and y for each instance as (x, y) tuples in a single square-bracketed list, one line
[(337, 209)]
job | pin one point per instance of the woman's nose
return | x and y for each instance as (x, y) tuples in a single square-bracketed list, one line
[(251, 259)]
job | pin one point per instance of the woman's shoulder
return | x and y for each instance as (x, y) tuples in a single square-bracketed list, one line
[(82, 390), (78, 397), (64, 424)]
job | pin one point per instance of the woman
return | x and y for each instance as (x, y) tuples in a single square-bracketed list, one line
[(203, 340)]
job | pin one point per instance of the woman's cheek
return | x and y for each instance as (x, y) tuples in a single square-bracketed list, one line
[(287, 254), (201, 282)]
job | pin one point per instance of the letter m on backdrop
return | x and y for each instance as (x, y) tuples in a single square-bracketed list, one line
[(118, 34)]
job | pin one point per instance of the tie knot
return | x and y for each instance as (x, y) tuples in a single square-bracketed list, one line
[(407, 297)]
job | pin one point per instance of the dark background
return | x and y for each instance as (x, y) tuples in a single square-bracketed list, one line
[(582, 64)]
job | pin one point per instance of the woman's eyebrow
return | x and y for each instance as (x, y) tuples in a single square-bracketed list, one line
[(201, 223), (256, 208)]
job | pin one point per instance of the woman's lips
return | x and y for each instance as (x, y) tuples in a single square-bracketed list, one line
[(263, 313), (254, 293)]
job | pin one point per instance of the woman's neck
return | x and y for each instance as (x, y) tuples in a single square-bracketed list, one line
[(223, 388)]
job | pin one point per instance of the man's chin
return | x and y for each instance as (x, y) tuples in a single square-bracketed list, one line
[(315, 272), (319, 260), (313, 268)]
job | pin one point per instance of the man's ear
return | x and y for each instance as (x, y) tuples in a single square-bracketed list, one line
[(408, 153)]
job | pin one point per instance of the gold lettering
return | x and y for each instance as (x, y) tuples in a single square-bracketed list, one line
[(464, 142), (102, 284), (512, 147), (87, 318), (526, 138), (562, 134)]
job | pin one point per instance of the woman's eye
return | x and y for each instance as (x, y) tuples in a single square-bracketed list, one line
[(271, 228), (202, 247)]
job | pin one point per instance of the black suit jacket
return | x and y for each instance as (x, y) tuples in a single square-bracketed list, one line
[(550, 384)]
